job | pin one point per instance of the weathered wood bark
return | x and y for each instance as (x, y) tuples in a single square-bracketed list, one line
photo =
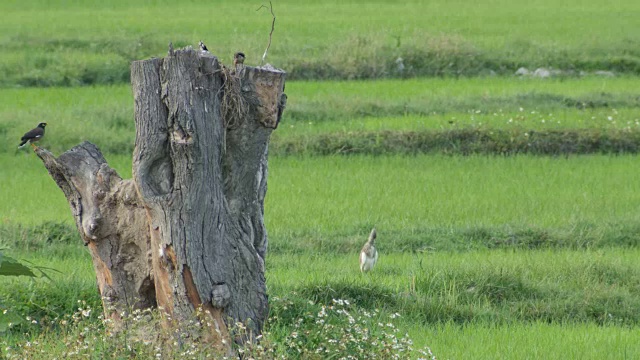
[(112, 223), (191, 220)]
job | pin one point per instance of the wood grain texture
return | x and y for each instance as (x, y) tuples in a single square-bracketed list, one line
[(112, 223), (187, 232), (204, 183)]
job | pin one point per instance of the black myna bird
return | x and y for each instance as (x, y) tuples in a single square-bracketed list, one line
[(203, 47), (33, 135)]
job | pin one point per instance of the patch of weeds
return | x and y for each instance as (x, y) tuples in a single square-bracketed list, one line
[(334, 330), (339, 329)]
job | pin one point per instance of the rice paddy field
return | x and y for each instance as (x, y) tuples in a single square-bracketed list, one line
[(507, 207)]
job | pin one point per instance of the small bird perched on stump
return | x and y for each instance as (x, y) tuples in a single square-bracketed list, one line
[(203, 47), (33, 135), (238, 59), (369, 254)]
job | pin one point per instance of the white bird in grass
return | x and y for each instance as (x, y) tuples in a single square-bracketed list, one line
[(369, 254)]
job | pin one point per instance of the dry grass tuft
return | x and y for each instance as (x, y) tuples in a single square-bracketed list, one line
[(234, 106)]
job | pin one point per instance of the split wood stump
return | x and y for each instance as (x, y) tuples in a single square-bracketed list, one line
[(187, 231)]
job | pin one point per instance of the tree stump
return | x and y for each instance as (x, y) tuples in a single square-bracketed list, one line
[(112, 223), (188, 231)]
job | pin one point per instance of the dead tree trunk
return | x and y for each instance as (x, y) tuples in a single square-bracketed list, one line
[(188, 230), (112, 223)]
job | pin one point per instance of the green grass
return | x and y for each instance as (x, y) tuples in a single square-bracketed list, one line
[(326, 196), (483, 287), (487, 304), (228, 17), (30, 196), (556, 119), (103, 115), (355, 110), (533, 341), (93, 42), (566, 225), (441, 90), (411, 194), (463, 98), (483, 257), (521, 256), (433, 201), (72, 279)]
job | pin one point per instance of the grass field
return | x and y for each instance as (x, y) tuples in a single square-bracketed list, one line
[(535, 341), (485, 305), (545, 243), (92, 42), (490, 248), (440, 230), (327, 196), (103, 115)]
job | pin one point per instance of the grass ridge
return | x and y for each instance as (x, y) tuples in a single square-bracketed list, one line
[(88, 62), (464, 141)]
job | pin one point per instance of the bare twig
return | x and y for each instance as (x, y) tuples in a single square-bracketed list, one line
[(273, 26)]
